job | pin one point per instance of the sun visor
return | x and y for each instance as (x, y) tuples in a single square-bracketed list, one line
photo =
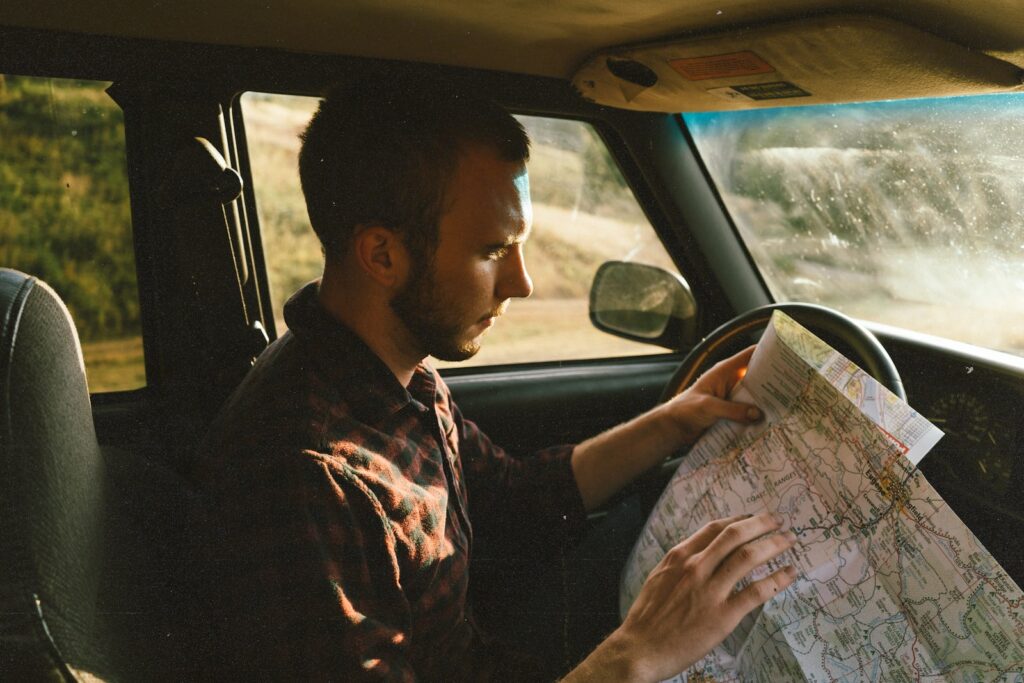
[(821, 60)]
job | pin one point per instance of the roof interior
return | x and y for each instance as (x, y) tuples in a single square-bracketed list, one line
[(527, 36)]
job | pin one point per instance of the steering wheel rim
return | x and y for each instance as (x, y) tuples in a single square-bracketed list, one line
[(868, 352)]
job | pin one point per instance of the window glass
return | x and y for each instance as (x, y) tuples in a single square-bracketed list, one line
[(65, 216), (906, 213), (584, 214)]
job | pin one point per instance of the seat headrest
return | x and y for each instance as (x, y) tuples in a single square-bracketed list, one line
[(51, 469)]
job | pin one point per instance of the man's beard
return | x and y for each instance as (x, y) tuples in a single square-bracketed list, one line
[(433, 323)]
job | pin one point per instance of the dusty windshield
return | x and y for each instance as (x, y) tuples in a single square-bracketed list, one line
[(904, 213)]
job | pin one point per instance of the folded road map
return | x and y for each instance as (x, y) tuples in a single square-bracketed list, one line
[(892, 585)]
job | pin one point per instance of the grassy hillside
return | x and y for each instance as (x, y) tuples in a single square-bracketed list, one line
[(65, 217), (64, 212)]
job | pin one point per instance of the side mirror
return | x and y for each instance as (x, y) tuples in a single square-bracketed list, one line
[(643, 303)]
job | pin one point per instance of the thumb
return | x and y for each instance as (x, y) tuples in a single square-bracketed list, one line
[(721, 408)]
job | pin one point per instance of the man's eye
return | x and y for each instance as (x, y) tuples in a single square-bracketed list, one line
[(499, 253)]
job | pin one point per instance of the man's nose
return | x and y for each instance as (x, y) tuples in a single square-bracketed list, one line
[(515, 282)]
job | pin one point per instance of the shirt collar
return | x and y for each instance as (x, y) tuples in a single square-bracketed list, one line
[(349, 366)]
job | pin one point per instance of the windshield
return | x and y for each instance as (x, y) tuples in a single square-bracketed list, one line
[(906, 213)]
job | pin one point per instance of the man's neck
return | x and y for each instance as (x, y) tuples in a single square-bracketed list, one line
[(370, 317)]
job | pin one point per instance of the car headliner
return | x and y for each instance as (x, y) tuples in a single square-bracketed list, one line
[(542, 37)]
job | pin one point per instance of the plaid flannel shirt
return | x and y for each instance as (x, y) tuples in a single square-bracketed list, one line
[(346, 498)]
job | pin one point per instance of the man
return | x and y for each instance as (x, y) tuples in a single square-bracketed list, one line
[(349, 482)]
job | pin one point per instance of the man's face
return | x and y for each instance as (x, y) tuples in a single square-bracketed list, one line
[(448, 303)]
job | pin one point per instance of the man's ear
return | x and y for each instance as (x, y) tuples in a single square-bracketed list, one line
[(381, 254)]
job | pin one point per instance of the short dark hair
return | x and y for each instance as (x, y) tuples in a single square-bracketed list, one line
[(383, 152)]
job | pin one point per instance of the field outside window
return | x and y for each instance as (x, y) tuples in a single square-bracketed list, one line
[(65, 215)]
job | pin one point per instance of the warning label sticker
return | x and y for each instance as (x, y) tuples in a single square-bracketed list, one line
[(770, 91), (721, 66)]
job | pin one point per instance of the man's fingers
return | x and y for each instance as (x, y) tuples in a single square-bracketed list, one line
[(730, 370), (739, 533), (751, 555), (763, 590), (702, 537)]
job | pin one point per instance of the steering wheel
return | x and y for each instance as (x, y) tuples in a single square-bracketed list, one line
[(864, 347)]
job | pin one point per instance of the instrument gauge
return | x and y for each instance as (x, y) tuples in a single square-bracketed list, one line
[(962, 416), (968, 424)]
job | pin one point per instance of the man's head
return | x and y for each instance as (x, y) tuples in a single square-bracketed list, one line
[(382, 152), (478, 264), (443, 174)]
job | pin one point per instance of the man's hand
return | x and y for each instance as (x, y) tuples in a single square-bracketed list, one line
[(689, 603), (706, 400), (606, 463)]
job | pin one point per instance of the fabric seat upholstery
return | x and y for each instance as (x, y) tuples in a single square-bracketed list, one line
[(51, 510), (90, 539)]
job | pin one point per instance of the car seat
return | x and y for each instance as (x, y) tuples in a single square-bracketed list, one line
[(93, 541)]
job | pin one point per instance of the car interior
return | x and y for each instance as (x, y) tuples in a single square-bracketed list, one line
[(738, 155)]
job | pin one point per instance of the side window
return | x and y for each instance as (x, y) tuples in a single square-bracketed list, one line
[(584, 215), (65, 216)]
